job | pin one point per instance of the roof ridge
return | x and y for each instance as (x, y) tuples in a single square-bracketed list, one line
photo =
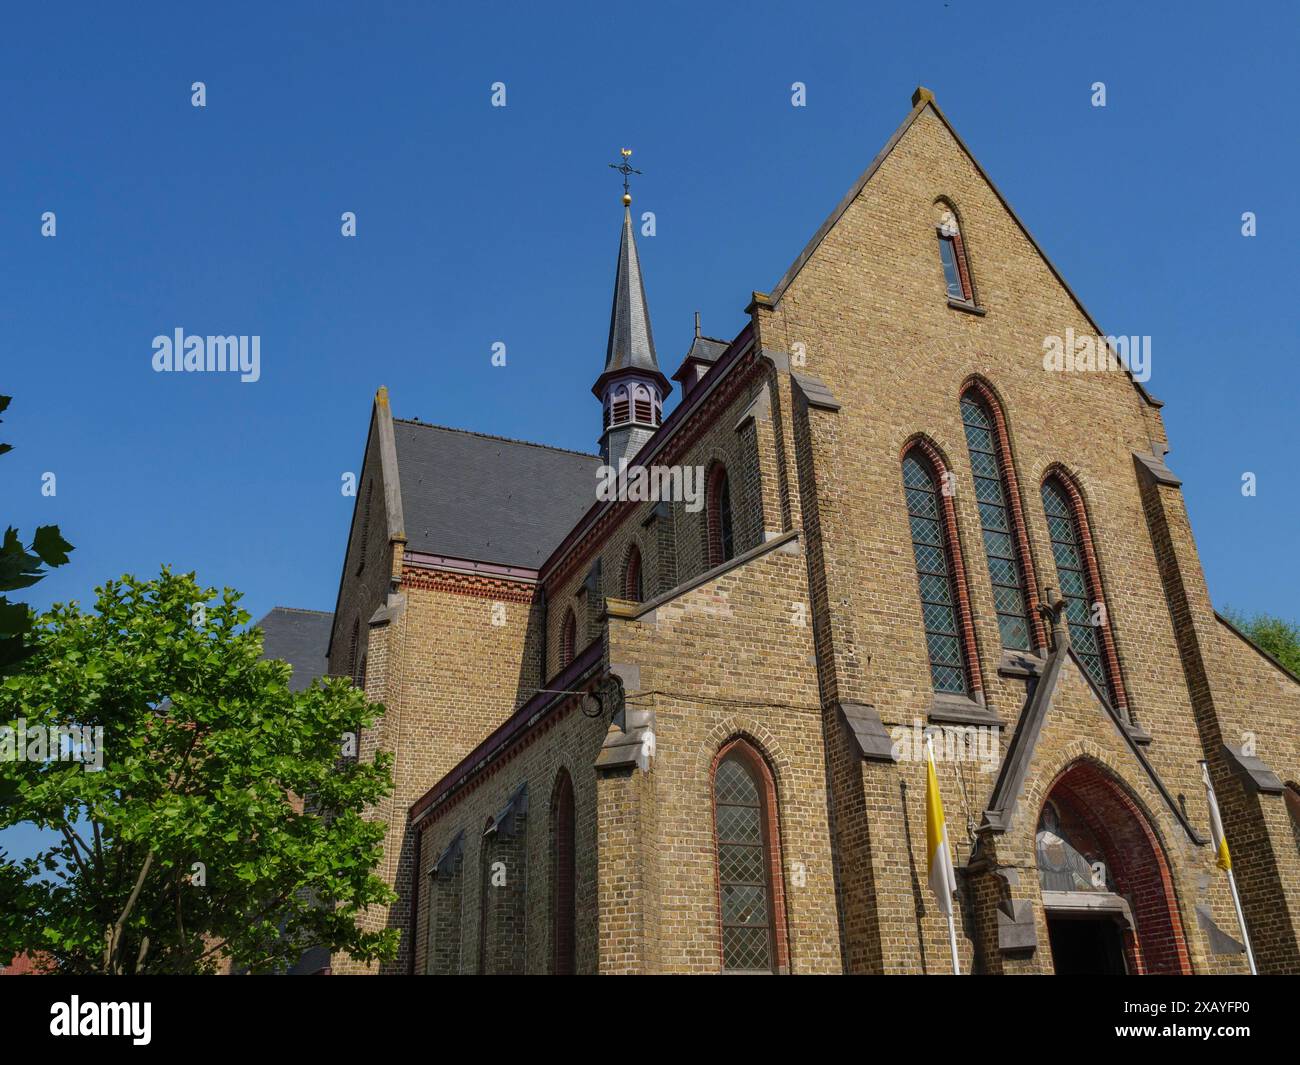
[(303, 610), (494, 436)]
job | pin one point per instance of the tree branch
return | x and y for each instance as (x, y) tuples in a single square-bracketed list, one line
[(116, 935)]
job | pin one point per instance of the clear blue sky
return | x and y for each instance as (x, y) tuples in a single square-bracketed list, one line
[(479, 225)]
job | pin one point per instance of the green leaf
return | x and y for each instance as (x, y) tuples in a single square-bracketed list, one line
[(51, 546)]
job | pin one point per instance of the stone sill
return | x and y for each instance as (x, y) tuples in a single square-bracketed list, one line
[(964, 305), (1020, 664), (960, 710)]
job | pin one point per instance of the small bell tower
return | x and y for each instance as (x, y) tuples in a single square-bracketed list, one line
[(631, 389)]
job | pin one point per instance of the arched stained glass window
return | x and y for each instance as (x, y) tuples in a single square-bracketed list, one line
[(1006, 566), (744, 864), (934, 575), (952, 254), (1077, 587)]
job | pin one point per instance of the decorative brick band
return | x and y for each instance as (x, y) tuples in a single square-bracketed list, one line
[(471, 584), (1012, 491), (965, 620), (529, 720), (1095, 588), (688, 422)]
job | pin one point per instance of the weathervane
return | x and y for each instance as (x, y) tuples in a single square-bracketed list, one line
[(625, 168)]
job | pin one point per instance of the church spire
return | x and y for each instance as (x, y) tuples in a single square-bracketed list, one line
[(632, 388)]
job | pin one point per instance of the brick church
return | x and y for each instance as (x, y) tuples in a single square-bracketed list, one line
[(639, 735)]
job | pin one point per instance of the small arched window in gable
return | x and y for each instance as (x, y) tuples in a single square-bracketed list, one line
[(952, 253), (719, 517), (632, 581), (929, 515), (568, 638)]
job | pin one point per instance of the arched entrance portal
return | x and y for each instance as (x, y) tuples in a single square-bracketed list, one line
[(1106, 888)]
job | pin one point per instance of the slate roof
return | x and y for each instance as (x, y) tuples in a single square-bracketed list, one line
[(486, 498), (299, 637), (707, 349)]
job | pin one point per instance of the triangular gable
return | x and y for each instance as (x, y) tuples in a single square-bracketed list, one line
[(922, 99), (1024, 741), (381, 427)]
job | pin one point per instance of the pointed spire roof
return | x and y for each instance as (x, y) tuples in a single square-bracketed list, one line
[(631, 343)]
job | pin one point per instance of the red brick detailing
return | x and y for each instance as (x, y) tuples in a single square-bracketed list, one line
[(563, 874), (713, 515), (959, 253), (598, 524), (744, 747), (1095, 591), (632, 575), (473, 584), (568, 638), (965, 620), (38, 964), (1136, 863), (1011, 486)]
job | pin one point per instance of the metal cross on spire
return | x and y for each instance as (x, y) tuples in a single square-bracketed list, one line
[(625, 168)]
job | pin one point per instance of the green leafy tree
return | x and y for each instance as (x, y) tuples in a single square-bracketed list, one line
[(21, 567), (192, 843), (1278, 637)]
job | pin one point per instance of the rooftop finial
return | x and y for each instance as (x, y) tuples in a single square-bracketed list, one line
[(697, 323), (625, 168)]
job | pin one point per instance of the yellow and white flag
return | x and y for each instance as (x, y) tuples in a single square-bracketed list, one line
[(1221, 856), (943, 881)]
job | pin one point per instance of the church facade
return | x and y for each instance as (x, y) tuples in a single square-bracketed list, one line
[(683, 735)]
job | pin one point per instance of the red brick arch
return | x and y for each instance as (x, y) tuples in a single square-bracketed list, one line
[(1092, 797)]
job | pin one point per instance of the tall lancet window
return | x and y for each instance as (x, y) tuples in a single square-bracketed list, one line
[(1000, 519), (1080, 578), (928, 513), (952, 253), (750, 897), (568, 638), (721, 540), (633, 588)]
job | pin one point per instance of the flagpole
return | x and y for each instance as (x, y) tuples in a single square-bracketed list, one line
[(952, 928), (1241, 920), (949, 880), (1220, 841)]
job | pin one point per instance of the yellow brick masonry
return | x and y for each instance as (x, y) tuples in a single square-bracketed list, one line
[(768, 648)]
